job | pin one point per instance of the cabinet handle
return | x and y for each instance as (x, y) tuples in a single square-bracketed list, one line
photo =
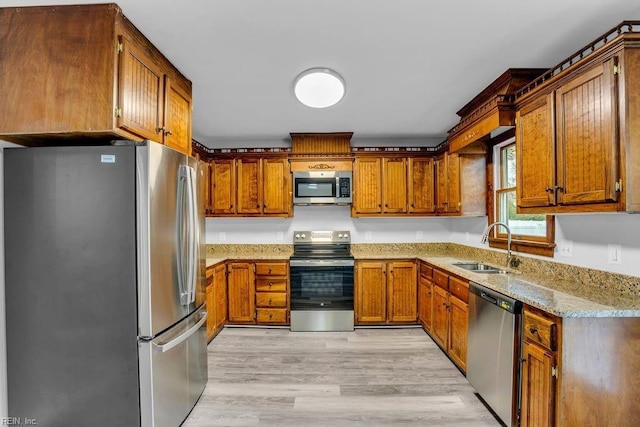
[(264, 206), (270, 315), (557, 187), (549, 190), (386, 205), (269, 301), (269, 271), (533, 329), (168, 132), (162, 129), (270, 284), (257, 206), (379, 205)]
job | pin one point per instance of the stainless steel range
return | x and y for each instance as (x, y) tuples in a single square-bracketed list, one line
[(321, 281)]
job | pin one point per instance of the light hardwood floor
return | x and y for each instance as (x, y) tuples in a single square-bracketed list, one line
[(368, 377)]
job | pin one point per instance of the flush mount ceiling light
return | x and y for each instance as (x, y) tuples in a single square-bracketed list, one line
[(319, 87)]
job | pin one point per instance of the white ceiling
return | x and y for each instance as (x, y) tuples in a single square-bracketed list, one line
[(409, 65)]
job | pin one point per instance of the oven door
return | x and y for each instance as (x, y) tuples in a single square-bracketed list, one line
[(321, 284)]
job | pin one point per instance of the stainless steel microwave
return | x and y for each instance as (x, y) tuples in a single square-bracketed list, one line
[(322, 188)]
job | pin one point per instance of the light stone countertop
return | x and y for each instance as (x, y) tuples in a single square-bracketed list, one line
[(545, 293), (561, 296)]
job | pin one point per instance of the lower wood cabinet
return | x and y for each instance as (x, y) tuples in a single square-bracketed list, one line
[(386, 292), (241, 292), (425, 296), (216, 298), (258, 292), (448, 304)]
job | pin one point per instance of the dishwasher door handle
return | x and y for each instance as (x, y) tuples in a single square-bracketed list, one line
[(488, 297)]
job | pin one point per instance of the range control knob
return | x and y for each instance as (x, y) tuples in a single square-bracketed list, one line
[(304, 235), (340, 236), (297, 236)]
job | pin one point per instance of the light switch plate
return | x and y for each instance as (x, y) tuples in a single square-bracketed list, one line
[(614, 254), (566, 248)]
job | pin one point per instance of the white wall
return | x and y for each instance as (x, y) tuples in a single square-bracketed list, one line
[(363, 230), (588, 235)]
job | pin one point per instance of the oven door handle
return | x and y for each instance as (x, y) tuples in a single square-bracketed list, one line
[(321, 263)]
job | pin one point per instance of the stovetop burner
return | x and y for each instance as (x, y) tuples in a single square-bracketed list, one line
[(321, 245)]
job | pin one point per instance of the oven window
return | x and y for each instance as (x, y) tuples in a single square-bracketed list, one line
[(315, 187), (329, 288)]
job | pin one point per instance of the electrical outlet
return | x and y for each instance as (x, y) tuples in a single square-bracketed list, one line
[(566, 248), (419, 235), (367, 235), (222, 236), (279, 235), (615, 254)]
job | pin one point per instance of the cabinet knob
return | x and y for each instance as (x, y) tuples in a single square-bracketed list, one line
[(270, 284), (269, 301), (549, 190), (162, 129), (264, 206), (168, 132), (270, 315), (533, 329), (269, 271)]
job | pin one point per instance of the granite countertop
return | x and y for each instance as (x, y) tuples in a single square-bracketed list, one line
[(565, 294), (561, 297)]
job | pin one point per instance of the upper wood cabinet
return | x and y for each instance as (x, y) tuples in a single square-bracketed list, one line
[(223, 186), (205, 184), (386, 292), (104, 79), (367, 186), (577, 133), (460, 184), (394, 185), (447, 173), (251, 186), (421, 188)]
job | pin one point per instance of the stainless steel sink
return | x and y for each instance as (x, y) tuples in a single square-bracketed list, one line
[(478, 267)]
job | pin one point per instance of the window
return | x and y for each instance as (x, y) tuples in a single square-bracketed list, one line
[(531, 233)]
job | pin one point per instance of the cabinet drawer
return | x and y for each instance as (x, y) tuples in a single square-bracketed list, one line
[(540, 330), (426, 271), (271, 315), (273, 284), (441, 279), (272, 268), (459, 288), (271, 299)]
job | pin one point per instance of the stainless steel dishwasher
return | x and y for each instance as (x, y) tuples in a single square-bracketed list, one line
[(494, 350)]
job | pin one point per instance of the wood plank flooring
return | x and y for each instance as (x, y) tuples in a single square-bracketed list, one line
[(372, 377)]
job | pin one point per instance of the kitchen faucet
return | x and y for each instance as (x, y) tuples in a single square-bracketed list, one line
[(512, 261)]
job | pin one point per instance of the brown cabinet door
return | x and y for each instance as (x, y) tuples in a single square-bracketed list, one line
[(276, 184), (538, 387), (394, 185), (458, 326), (241, 293), (439, 332), (402, 292), (205, 184), (367, 185), (425, 303), (440, 173), (421, 195), (454, 191), (211, 306), (220, 297), (177, 118), (371, 292), (249, 189), (223, 181), (535, 154), (140, 92), (587, 147)]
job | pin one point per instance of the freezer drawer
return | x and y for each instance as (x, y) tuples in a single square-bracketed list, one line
[(173, 372)]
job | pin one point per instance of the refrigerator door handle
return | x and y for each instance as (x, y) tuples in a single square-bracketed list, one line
[(193, 235), (182, 230), (163, 348)]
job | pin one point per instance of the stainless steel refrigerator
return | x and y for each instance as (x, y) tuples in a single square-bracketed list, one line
[(104, 261)]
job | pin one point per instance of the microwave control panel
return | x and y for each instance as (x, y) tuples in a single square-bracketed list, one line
[(344, 187)]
